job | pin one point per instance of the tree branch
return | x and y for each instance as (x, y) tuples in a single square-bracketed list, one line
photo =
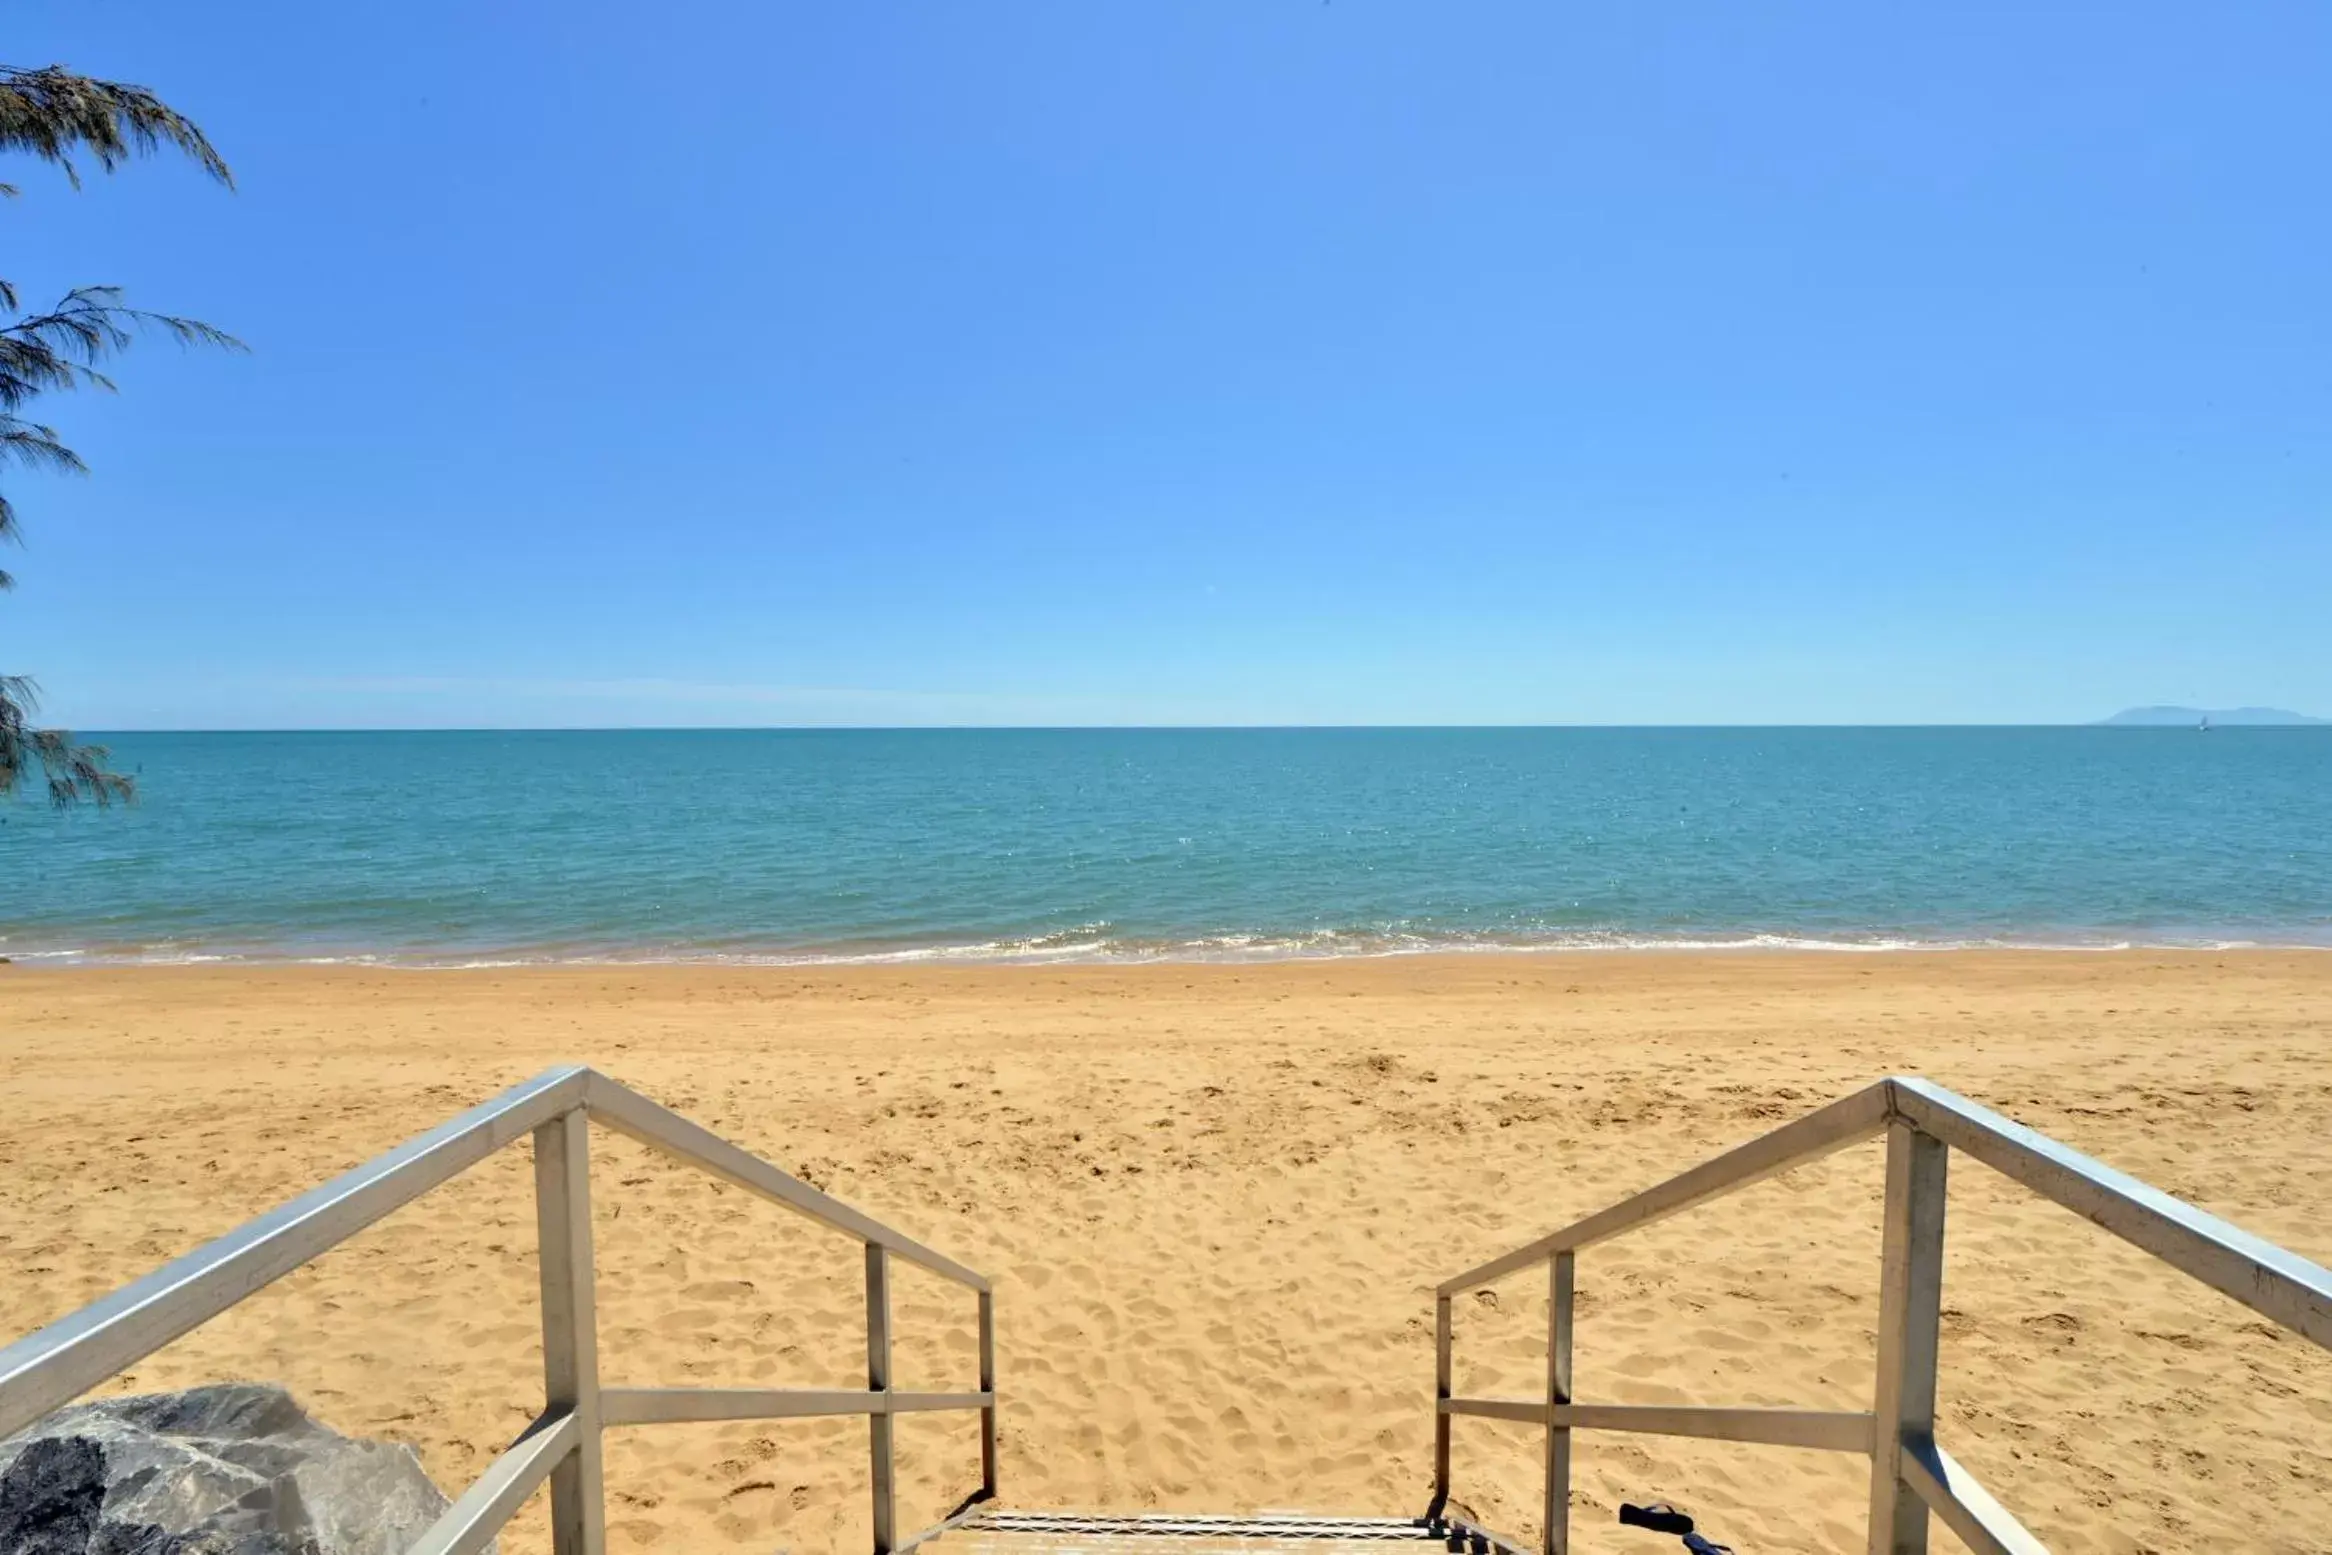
[(51, 113)]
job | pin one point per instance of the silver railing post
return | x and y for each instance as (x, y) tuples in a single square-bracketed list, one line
[(988, 1386), (1441, 1375), (562, 1205), (1556, 1523), (1910, 1312), (878, 1378)]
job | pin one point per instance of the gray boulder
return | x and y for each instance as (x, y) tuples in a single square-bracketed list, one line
[(235, 1469)]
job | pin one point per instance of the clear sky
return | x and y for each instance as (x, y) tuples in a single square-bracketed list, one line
[(1245, 361)]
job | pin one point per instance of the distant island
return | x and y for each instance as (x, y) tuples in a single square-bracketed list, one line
[(2189, 717)]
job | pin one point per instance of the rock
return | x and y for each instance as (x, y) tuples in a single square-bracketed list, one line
[(50, 1497), (235, 1469)]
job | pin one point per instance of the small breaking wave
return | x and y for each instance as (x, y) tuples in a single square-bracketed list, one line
[(1098, 944)]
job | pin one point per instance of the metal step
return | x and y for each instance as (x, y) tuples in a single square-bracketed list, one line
[(1170, 1533)]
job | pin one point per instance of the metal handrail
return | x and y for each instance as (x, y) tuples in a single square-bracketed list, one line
[(72, 1355), (1911, 1475)]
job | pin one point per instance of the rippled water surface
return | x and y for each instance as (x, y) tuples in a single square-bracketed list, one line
[(487, 846)]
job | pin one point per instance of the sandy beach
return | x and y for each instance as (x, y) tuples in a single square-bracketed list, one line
[(1215, 1200)]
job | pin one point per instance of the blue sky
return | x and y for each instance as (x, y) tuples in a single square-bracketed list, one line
[(1196, 362)]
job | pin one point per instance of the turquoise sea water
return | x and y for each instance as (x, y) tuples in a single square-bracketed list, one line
[(468, 847)]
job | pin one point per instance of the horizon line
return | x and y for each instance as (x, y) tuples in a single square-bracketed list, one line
[(1142, 728)]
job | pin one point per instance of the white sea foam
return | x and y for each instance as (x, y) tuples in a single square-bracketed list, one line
[(1095, 944)]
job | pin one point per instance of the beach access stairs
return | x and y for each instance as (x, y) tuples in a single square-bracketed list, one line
[(1912, 1477)]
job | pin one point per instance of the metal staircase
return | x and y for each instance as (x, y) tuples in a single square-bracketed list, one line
[(1912, 1476)]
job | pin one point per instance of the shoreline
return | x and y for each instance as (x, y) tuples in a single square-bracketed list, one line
[(1186, 954)]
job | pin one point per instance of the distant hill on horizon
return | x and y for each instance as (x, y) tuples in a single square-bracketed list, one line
[(2172, 717)]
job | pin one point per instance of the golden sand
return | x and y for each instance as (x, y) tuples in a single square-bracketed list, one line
[(1215, 1200)]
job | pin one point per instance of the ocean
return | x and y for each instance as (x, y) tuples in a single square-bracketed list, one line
[(1056, 845)]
